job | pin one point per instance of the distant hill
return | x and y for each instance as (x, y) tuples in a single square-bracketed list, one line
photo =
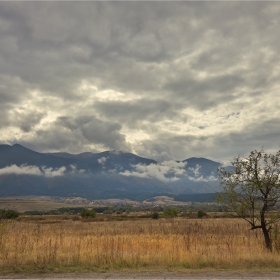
[(110, 160), (107, 174), (207, 167), (201, 177), (20, 155)]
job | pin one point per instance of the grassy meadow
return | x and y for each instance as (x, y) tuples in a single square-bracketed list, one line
[(165, 244)]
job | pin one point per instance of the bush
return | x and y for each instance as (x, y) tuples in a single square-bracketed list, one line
[(86, 213), (8, 214), (155, 215), (201, 214), (170, 212)]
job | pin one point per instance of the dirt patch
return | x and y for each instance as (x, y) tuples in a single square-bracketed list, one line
[(150, 275)]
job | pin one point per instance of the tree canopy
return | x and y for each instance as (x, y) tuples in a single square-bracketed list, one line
[(252, 190)]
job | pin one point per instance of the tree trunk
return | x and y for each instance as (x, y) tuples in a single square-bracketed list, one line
[(267, 238)]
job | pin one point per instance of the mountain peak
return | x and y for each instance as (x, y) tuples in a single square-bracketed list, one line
[(18, 146), (199, 160), (115, 152)]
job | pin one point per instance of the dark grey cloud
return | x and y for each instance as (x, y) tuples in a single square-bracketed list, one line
[(82, 131), (167, 80), (137, 112), (256, 135), (206, 93)]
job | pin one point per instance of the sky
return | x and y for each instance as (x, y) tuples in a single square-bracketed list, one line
[(163, 80)]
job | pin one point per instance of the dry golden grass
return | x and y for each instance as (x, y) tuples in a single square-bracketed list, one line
[(150, 244)]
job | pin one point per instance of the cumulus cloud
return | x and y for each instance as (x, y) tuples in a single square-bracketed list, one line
[(51, 172), (163, 80), (203, 179), (165, 171), (102, 160), (195, 175), (21, 170), (34, 170), (195, 170), (169, 171)]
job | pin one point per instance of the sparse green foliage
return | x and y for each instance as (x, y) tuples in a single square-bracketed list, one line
[(86, 213), (252, 190), (8, 214), (170, 212), (201, 214)]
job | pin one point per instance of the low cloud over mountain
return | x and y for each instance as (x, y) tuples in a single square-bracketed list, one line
[(165, 171), (89, 173), (42, 171)]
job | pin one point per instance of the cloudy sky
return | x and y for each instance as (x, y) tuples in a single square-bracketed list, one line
[(164, 80)]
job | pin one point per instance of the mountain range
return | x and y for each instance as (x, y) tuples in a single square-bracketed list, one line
[(107, 174)]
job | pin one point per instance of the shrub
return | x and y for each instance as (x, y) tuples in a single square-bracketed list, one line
[(201, 214), (8, 214), (170, 212), (155, 215), (86, 213)]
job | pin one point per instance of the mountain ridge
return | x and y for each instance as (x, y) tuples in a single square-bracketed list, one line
[(117, 173)]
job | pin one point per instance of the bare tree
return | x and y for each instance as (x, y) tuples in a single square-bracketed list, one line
[(252, 190)]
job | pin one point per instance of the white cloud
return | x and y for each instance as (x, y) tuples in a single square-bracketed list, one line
[(102, 160), (169, 171), (201, 178), (195, 170), (21, 170), (75, 170), (51, 172), (165, 171), (198, 177), (34, 170)]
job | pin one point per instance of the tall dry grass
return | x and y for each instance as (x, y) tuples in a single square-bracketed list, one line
[(171, 243)]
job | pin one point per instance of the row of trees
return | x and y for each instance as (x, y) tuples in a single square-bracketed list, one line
[(186, 210)]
